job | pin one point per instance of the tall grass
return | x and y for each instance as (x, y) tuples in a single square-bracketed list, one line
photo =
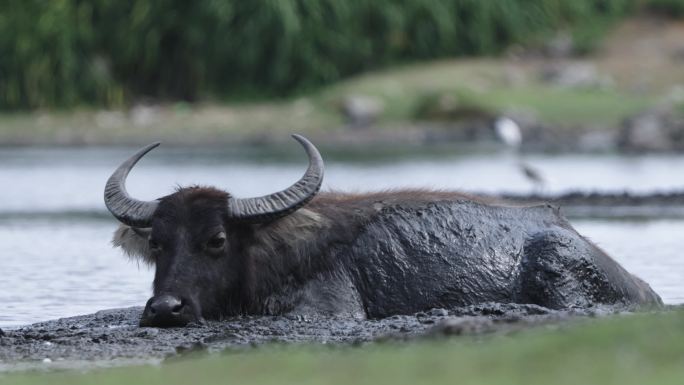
[(108, 52)]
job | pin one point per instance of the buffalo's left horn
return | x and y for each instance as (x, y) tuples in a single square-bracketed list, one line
[(269, 207), (125, 208)]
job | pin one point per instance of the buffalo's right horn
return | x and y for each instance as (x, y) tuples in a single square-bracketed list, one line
[(126, 209), (279, 204)]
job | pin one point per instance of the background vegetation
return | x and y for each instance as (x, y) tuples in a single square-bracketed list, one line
[(670, 8), (63, 53)]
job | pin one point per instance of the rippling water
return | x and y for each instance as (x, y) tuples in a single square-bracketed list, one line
[(54, 232), (58, 268)]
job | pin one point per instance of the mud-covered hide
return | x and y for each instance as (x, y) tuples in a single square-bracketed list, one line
[(417, 256)]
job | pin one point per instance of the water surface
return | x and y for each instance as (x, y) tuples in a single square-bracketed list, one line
[(54, 230), (69, 179)]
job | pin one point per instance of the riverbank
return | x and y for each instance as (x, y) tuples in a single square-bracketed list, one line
[(595, 205), (113, 338), (408, 107), (627, 96), (573, 205), (521, 344)]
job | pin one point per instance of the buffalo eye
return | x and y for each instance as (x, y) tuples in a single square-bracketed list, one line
[(217, 242), (154, 245)]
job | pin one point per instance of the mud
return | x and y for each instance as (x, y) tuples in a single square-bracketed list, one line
[(113, 338), (622, 205)]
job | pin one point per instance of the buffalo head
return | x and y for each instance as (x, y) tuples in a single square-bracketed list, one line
[(195, 237)]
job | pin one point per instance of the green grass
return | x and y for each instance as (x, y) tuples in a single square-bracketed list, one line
[(636, 349), (572, 107), (401, 90), (484, 82)]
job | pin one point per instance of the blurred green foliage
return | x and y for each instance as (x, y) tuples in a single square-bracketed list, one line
[(669, 8), (61, 53)]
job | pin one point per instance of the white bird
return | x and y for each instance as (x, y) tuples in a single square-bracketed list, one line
[(508, 131)]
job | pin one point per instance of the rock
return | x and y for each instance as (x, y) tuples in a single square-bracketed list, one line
[(361, 111), (574, 75), (597, 141), (450, 108), (560, 46), (678, 55), (462, 118), (658, 129), (110, 119), (676, 94), (2, 334), (143, 115), (645, 132), (438, 313), (148, 333)]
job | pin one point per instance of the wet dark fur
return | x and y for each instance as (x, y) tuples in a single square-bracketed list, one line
[(373, 255)]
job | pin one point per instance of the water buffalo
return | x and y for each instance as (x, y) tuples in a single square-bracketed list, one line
[(355, 255)]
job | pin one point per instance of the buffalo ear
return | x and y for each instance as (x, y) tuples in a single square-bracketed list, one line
[(134, 242)]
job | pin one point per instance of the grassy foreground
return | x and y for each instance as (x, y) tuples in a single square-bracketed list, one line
[(636, 349)]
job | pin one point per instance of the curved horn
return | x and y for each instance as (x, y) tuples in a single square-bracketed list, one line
[(284, 202), (125, 208)]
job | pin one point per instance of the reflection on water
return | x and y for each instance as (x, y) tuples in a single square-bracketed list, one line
[(652, 250), (58, 268), (68, 179), (61, 268), (62, 264)]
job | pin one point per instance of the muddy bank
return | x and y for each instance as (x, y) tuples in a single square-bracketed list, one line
[(620, 205), (576, 204), (652, 131), (448, 136), (112, 337)]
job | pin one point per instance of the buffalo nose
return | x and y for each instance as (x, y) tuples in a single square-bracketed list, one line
[(166, 304), (164, 310)]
